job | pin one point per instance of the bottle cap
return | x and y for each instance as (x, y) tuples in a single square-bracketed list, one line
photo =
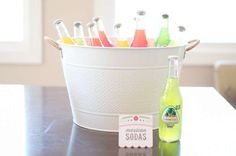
[(181, 28), (90, 24), (165, 16), (141, 12), (58, 21), (96, 19), (118, 25), (77, 23)]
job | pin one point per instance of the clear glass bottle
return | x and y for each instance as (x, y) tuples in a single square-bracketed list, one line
[(140, 39), (79, 33), (164, 36), (181, 36), (63, 32), (121, 41), (102, 33), (93, 35), (171, 105)]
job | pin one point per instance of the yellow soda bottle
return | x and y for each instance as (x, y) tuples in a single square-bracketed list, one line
[(171, 105), (121, 42), (63, 32), (79, 33)]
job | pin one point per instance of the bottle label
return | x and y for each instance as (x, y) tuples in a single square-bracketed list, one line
[(170, 116)]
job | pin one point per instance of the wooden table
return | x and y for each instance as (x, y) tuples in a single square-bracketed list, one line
[(37, 121)]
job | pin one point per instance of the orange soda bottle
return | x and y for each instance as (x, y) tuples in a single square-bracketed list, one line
[(79, 33), (63, 32), (101, 32), (121, 42), (93, 35), (140, 39)]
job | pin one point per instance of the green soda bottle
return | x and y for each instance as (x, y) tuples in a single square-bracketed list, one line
[(164, 36), (171, 105), (79, 33), (169, 148)]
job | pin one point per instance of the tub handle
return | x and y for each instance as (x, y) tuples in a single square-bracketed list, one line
[(192, 44), (52, 42)]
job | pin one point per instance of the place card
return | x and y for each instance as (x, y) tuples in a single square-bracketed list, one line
[(135, 131), (135, 151)]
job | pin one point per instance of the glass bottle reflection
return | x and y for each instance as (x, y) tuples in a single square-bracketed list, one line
[(169, 149)]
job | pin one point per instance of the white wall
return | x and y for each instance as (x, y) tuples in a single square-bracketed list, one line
[(49, 73), (197, 76)]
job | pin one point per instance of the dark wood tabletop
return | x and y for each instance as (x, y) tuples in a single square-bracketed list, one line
[(37, 121)]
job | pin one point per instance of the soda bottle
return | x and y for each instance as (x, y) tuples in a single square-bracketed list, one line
[(79, 33), (101, 32), (63, 32), (180, 37), (169, 148), (164, 36), (171, 105), (140, 39), (121, 42), (93, 35)]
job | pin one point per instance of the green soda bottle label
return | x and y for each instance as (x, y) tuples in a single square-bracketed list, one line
[(170, 116)]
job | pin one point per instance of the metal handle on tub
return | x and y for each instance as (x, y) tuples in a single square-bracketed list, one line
[(192, 44), (52, 42)]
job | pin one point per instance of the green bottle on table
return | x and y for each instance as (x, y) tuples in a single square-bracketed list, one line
[(164, 36), (171, 105)]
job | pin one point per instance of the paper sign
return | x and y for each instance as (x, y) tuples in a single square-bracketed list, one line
[(135, 151), (135, 131)]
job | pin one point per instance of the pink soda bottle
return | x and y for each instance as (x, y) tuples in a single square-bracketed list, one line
[(93, 35), (140, 39), (101, 32)]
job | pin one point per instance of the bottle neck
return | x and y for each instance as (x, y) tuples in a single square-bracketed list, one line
[(140, 23), (78, 32), (117, 32), (100, 25), (62, 31), (173, 68), (93, 32), (165, 23)]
